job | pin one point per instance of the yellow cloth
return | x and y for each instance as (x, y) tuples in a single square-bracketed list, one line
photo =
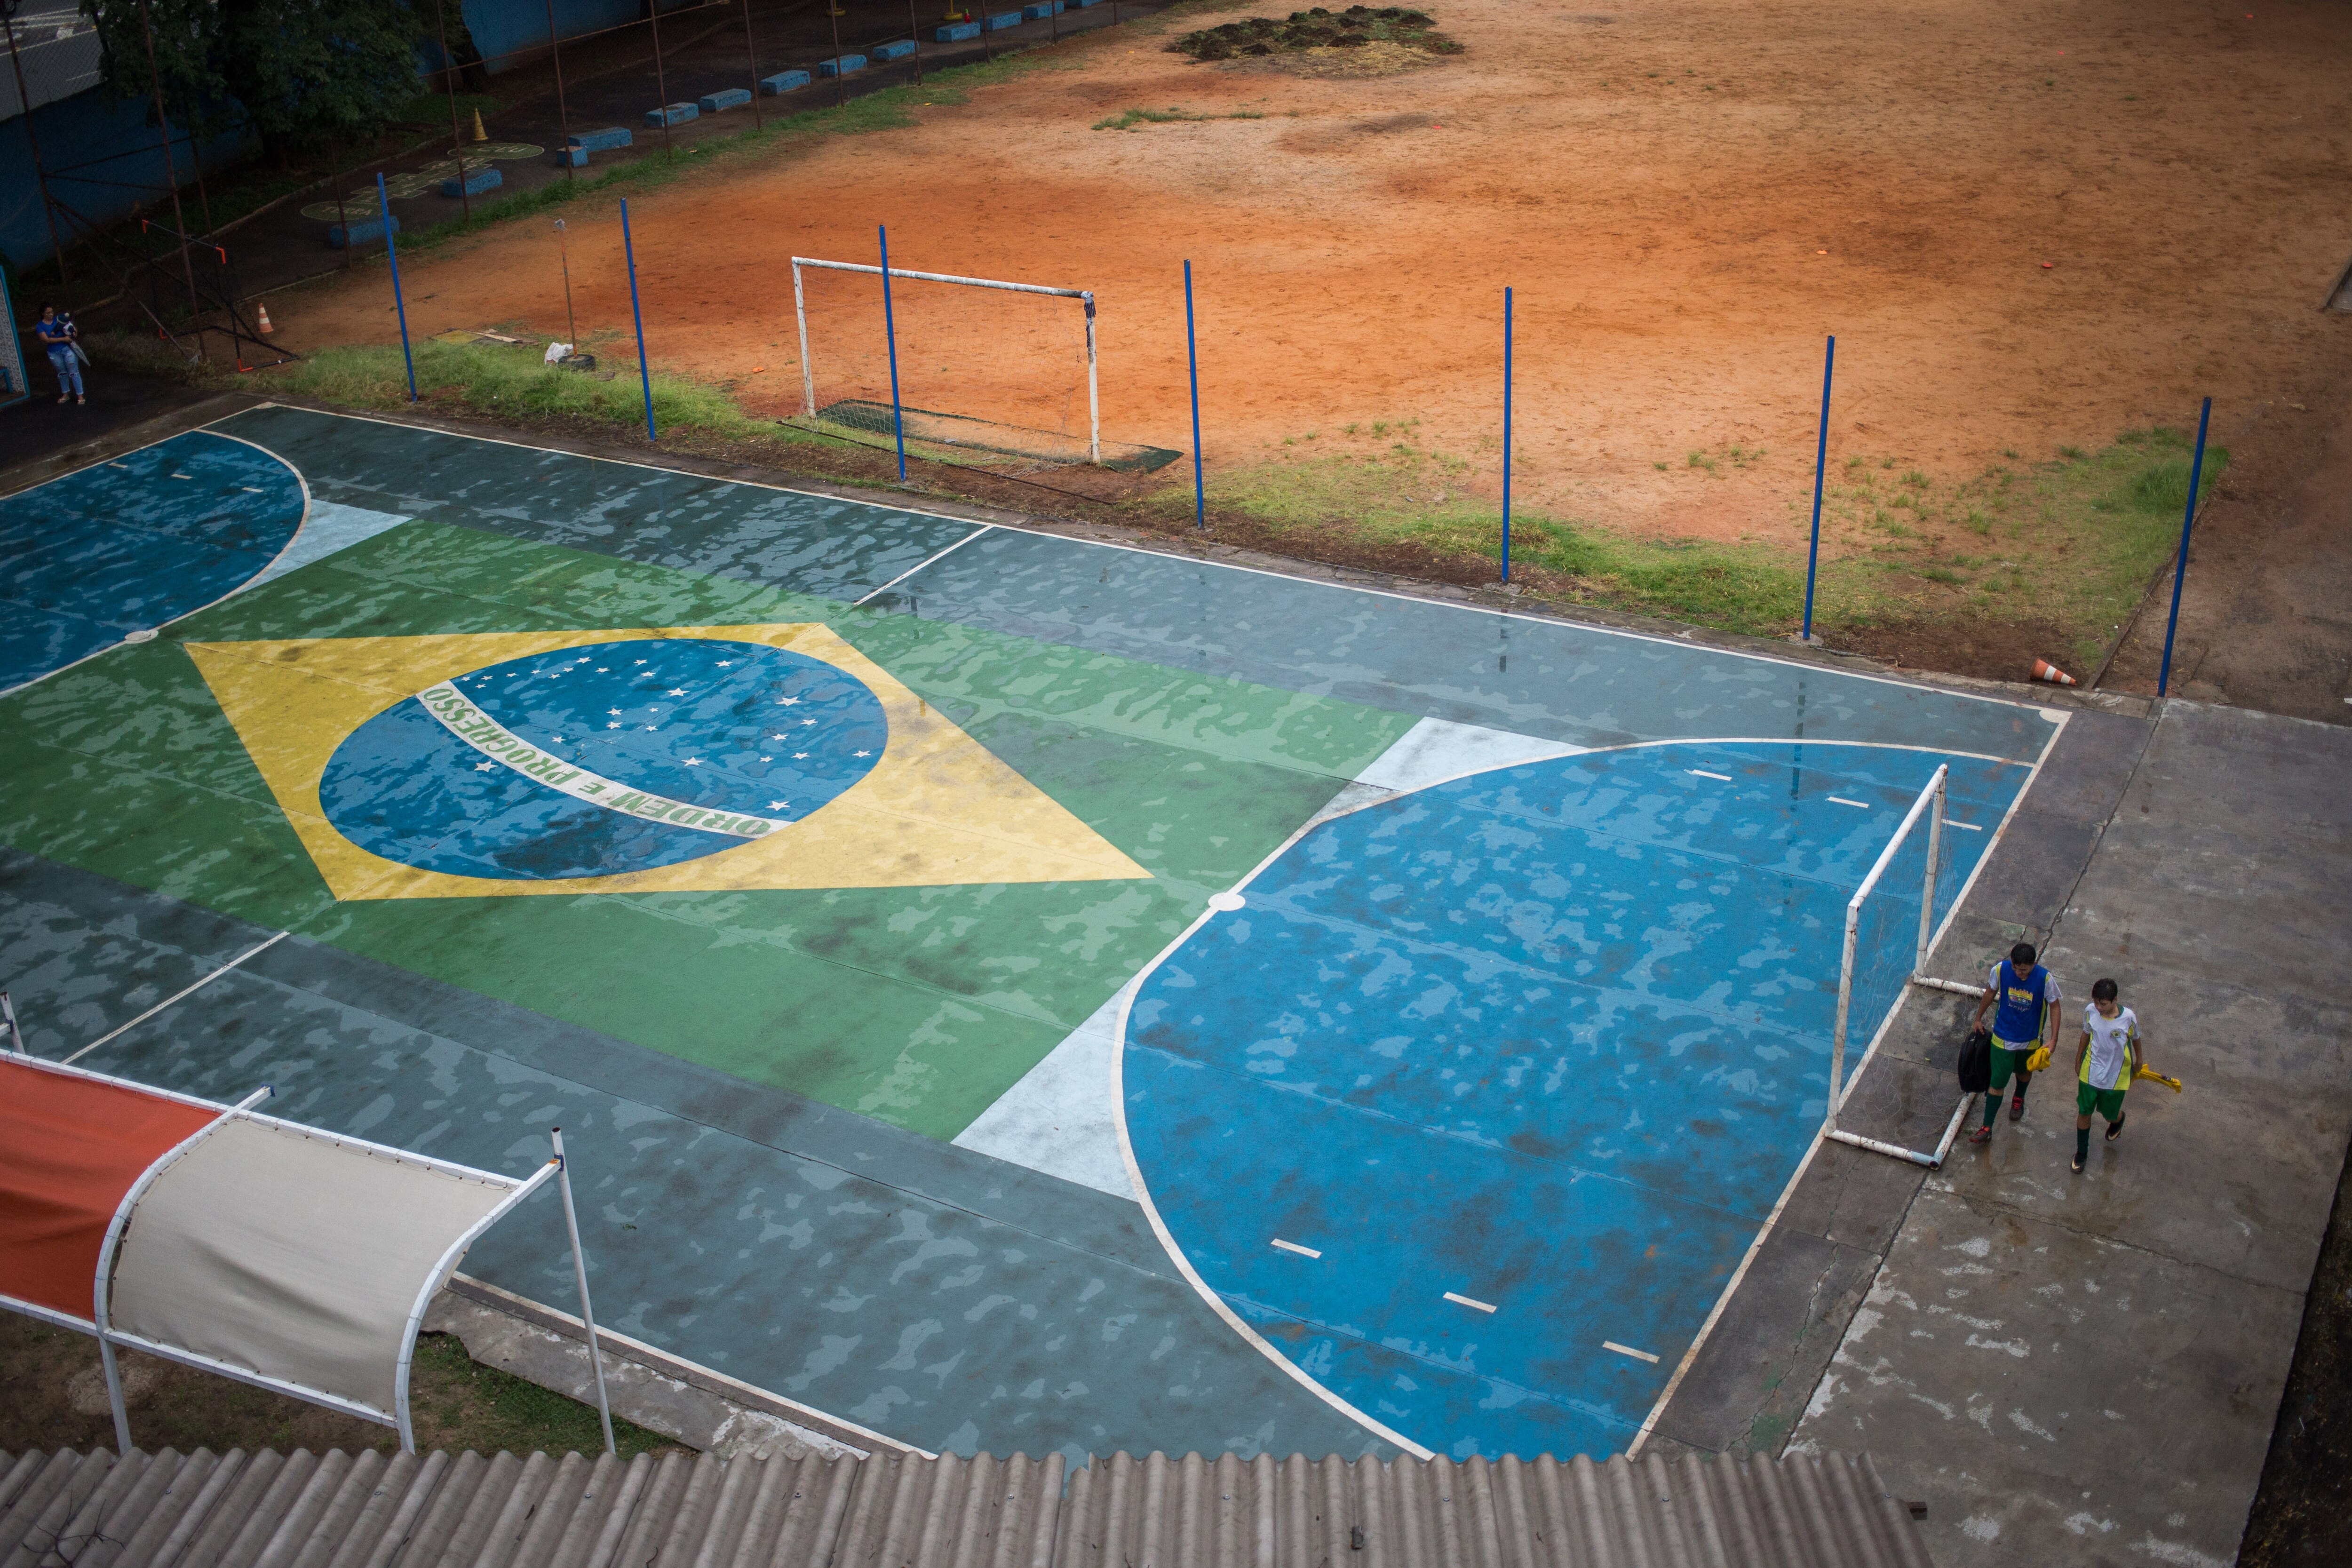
[(2038, 1060), (2147, 1071)]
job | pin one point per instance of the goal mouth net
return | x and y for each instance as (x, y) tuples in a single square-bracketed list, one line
[(978, 371), (1891, 926)]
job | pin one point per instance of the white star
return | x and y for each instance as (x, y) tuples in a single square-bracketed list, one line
[(800, 756), (558, 738), (767, 759), (602, 671), (613, 725), (775, 737), (650, 726), (726, 664), (484, 767), (788, 702), (778, 804), (862, 754), (641, 661), (808, 721), (694, 761), (675, 691), (616, 712)]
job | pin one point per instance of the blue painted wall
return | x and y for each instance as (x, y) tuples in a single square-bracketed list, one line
[(112, 162), (503, 28)]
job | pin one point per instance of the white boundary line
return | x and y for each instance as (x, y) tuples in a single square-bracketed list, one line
[(300, 524), (1544, 621), (1771, 1220), (1134, 989), (175, 996), (919, 565)]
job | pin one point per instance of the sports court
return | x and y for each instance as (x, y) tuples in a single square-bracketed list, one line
[(1012, 991)]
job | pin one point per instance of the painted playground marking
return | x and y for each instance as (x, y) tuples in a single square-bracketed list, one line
[(1467, 1301), (177, 997), (1293, 1247), (1857, 804), (1978, 827), (1225, 903), (1702, 773), (1629, 1350)]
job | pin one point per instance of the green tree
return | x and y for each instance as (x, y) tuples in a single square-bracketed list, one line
[(298, 73)]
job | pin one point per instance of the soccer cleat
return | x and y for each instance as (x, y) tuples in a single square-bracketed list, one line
[(2115, 1130), (1981, 1135), (2078, 1164), (2016, 1107)]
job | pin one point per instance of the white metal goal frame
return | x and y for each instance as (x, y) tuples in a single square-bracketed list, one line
[(1084, 296), (1933, 801)]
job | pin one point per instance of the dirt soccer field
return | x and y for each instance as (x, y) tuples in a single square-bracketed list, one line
[(2030, 228)]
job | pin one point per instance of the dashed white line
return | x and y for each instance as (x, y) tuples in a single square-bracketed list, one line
[(1857, 804), (253, 489), (1466, 1301), (1293, 1247), (1702, 774), (1964, 827), (1628, 1349), (184, 475)]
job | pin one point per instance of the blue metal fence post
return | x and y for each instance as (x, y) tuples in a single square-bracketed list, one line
[(392, 255), (1820, 470), (1192, 361), (1506, 433), (644, 370), (890, 336), (2180, 563)]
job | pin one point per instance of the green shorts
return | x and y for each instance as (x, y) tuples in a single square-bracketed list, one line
[(2107, 1102), (2006, 1061)]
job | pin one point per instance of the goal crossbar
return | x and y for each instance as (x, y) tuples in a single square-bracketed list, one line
[(1932, 802), (1084, 296)]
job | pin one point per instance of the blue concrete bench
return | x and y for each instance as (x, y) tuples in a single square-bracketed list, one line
[(725, 98), (577, 157), (603, 140), (672, 114), (1004, 19), (898, 51), (957, 32), (341, 235), (842, 67), (1040, 12), (1082, 5), (477, 182), (783, 82)]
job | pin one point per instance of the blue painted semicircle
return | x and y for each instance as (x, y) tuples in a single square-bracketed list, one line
[(1551, 1038), (134, 542), (726, 726)]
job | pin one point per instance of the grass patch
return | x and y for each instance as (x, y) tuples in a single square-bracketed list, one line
[(1129, 119)]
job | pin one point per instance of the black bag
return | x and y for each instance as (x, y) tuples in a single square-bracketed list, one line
[(1975, 1062)]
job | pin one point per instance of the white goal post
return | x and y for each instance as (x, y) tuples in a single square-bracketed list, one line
[(1932, 803), (1084, 296)]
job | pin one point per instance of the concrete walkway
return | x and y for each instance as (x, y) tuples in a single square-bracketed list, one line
[(2086, 1369)]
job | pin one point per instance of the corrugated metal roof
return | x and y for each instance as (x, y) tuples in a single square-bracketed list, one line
[(438, 1511)]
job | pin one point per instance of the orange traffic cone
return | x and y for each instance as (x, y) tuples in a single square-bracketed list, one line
[(481, 133), (264, 322), (2045, 671)]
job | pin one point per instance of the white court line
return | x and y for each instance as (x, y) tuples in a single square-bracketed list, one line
[(177, 476), (1978, 827), (1857, 804), (1466, 1301), (1702, 773), (167, 1001), (1293, 1247), (919, 565), (1629, 1350)]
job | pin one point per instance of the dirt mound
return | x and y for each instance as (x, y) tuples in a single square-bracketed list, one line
[(1354, 28)]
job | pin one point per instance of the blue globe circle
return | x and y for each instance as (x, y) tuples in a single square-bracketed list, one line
[(749, 736)]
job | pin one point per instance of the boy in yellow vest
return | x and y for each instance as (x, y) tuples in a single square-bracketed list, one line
[(2104, 1065)]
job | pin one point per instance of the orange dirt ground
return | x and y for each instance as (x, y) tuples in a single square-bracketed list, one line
[(1686, 197)]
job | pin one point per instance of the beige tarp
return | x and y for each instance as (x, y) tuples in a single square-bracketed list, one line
[(287, 1253)]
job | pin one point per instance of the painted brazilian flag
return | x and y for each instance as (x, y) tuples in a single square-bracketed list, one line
[(883, 861)]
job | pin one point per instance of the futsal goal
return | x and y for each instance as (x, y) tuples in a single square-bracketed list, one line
[(987, 366), (1891, 927)]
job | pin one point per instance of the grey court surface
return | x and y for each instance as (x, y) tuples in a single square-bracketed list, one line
[(961, 1301)]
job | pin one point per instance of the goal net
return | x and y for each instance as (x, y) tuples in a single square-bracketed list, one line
[(1891, 925), (989, 373)]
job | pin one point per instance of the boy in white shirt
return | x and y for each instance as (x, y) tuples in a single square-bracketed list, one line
[(2105, 1063)]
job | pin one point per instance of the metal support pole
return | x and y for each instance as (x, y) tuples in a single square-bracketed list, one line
[(580, 1276), (1094, 396), (114, 1394), (1506, 435), (562, 112), (752, 53), (914, 31), (661, 81), (2180, 562), (449, 90), (840, 83), (1192, 364), (1821, 468), (16, 1034), (343, 219), (170, 169), (890, 336), (392, 255), (644, 370), (40, 174), (1935, 865), (1844, 1005), (800, 314)]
